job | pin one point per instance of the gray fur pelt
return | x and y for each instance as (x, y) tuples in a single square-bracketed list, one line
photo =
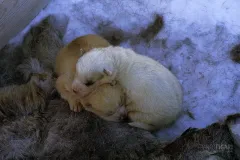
[(52, 131), (59, 133)]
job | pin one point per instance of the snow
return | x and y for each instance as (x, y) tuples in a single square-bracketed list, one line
[(198, 36)]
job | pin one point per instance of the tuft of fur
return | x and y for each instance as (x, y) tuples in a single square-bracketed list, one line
[(153, 29), (31, 66), (10, 57), (233, 122), (212, 142), (155, 95), (21, 139), (235, 53), (39, 47), (113, 35), (116, 35), (44, 40), (24, 99)]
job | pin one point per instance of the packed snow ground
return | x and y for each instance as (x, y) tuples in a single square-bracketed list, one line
[(195, 43)]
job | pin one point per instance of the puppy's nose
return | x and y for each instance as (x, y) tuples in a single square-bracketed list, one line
[(88, 105), (124, 119), (75, 87), (75, 91)]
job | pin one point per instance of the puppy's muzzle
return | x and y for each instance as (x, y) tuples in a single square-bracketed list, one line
[(79, 89)]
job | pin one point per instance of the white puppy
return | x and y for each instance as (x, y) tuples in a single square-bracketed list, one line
[(154, 94)]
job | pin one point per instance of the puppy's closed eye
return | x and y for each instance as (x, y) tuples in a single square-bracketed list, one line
[(88, 105), (89, 83), (75, 91), (110, 113)]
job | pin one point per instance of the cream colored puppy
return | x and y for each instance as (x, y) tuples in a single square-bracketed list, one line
[(155, 95), (65, 65), (106, 100)]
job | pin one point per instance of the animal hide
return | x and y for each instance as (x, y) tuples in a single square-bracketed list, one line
[(59, 133)]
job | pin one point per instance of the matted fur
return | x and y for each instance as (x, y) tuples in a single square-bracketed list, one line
[(233, 122), (213, 142), (30, 66), (10, 57), (235, 53), (45, 40), (26, 98), (85, 136), (59, 133)]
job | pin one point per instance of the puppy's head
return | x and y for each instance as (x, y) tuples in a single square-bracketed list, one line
[(91, 68), (107, 102)]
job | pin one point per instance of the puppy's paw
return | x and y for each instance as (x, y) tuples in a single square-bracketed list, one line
[(75, 106), (123, 114), (107, 80), (113, 83)]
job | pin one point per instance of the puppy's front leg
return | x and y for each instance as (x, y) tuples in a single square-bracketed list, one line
[(105, 80), (75, 105)]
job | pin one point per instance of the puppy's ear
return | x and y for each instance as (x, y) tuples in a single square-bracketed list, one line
[(107, 72)]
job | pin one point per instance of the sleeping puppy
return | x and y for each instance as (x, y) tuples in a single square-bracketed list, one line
[(107, 102), (154, 94), (106, 98)]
